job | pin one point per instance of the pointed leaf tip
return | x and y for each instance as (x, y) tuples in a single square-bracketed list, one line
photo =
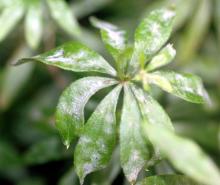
[(151, 34), (23, 60), (95, 147), (114, 38), (134, 148), (67, 144), (74, 56), (186, 86), (70, 109)]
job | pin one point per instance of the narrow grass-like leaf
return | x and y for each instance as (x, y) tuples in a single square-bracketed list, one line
[(95, 147), (73, 56), (69, 115), (62, 14), (134, 150), (33, 24), (192, 38), (150, 36), (186, 86), (217, 18), (167, 180), (114, 38), (184, 154), (164, 57), (9, 17)]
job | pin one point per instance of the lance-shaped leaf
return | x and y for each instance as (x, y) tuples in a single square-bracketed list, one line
[(150, 109), (167, 180), (184, 154), (186, 86), (33, 24), (150, 36), (164, 57), (9, 17), (134, 150), (69, 114), (196, 29), (95, 147), (73, 56), (62, 14), (114, 38)]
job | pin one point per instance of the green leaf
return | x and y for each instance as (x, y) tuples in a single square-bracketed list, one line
[(9, 17), (109, 174), (12, 86), (167, 180), (186, 86), (95, 147), (184, 154), (62, 14), (217, 17), (150, 36), (114, 38), (150, 109), (73, 56), (165, 56), (134, 150), (69, 114), (33, 24), (197, 28)]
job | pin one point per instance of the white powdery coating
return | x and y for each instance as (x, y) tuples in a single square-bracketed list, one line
[(171, 50), (156, 36), (184, 83), (117, 38), (109, 119), (85, 139), (168, 14), (108, 130), (87, 168), (95, 158), (102, 145), (135, 165)]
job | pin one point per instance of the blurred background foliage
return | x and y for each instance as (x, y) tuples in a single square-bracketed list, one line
[(31, 151)]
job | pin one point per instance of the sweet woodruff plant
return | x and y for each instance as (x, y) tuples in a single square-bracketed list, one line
[(145, 131)]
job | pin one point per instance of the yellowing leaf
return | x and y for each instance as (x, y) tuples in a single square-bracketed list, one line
[(186, 86), (164, 57)]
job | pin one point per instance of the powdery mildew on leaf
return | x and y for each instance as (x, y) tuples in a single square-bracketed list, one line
[(95, 147), (164, 57), (150, 36), (114, 38), (70, 109), (186, 86), (134, 151), (74, 57)]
